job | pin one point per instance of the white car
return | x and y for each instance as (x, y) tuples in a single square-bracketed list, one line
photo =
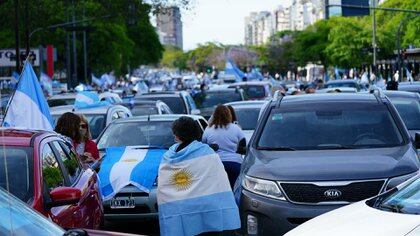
[(394, 213)]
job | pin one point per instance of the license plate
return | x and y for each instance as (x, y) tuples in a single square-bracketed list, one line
[(122, 203)]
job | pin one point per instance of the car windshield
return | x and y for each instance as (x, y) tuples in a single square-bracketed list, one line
[(61, 102), (16, 171), (247, 117), (405, 200), (213, 98), (138, 133), (141, 110), (255, 91), (97, 123), (330, 126), (175, 103), (409, 110)]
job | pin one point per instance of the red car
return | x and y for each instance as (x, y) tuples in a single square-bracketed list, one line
[(39, 168)]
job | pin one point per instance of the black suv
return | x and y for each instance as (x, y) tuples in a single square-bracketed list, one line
[(314, 153)]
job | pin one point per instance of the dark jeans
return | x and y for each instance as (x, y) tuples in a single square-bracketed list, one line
[(232, 169)]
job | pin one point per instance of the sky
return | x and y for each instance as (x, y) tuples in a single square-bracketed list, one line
[(221, 20)]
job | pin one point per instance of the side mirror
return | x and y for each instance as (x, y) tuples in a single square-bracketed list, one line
[(195, 112), (62, 196), (417, 141), (214, 146)]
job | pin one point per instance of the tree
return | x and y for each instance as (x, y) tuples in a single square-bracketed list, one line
[(205, 56), (174, 57)]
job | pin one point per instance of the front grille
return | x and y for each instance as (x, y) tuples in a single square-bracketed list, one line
[(311, 193)]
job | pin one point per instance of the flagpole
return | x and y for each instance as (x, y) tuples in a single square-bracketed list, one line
[(14, 91)]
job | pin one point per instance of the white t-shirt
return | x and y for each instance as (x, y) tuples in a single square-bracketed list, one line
[(228, 139)]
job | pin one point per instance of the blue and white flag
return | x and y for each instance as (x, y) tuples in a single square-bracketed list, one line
[(194, 194), (88, 99), (28, 107), (97, 81), (46, 84), (129, 165), (232, 69)]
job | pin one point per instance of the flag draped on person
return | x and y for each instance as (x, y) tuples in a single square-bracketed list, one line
[(122, 166), (194, 194), (28, 107)]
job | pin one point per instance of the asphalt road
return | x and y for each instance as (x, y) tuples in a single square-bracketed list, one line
[(134, 227)]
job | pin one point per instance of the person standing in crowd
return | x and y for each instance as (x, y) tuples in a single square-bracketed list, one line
[(193, 193), (230, 139), (68, 125), (86, 148)]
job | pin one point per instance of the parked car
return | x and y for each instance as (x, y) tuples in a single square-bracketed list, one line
[(147, 132), (409, 86), (45, 173), (254, 90), (247, 113), (17, 218), (98, 117), (408, 106), (62, 99), (180, 102), (207, 100), (394, 213), (140, 108), (311, 154), (346, 83)]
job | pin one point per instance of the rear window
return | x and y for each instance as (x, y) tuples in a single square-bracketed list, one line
[(16, 169), (144, 110), (330, 126), (255, 92), (247, 118), (409, 110), (342, 85), (175, 103), (60, 102), (213, 98)]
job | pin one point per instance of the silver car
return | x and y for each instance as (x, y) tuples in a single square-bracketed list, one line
[(149, 132), (98, 117)]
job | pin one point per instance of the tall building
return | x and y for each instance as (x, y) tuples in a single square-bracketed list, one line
[(282, 18), (169, 26)]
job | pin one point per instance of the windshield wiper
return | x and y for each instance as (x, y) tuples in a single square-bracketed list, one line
[(391, 208), (276, 148)]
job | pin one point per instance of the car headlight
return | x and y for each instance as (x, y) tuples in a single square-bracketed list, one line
[(394, 182), (263, 187)]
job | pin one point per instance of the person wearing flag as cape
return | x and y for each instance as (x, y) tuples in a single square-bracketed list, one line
[(194, 194)]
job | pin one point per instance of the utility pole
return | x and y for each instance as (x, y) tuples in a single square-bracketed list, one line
[(85, 52), (74, 79), (17, 51), (27, 27), (68, 58), (374, 46)]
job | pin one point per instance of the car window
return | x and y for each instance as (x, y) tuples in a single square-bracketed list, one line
[(18, 219), (175, 103), (213, 98), (331, 126), (255, 91), (51, 171), (153, 133), (19, 164), (61, 102), (409, 110), (141, 110), (247, 117), (69, 161), (203, 123), (97, 123)]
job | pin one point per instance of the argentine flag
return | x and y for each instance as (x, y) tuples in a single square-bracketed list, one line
[(128, 165), (232, 69), (194, 195), (28, 107), (88, 99)]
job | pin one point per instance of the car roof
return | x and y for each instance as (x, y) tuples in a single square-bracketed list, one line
[(262, 83), (221, 90), (330, 97), (247, 104), (401, 94), (170, 117), (94, 110), (19, 137), (342, 81), (63, 96)]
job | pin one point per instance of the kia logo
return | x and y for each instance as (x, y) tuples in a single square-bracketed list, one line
[(332, 193)]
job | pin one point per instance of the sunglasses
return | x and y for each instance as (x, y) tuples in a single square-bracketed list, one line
[(83, 126)]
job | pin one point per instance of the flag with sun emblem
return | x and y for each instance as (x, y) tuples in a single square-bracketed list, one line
[(128, 165), (194, 194)]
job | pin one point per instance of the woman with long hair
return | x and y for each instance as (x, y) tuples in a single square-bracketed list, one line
[(86, 148), (68, 126), (230, 139)]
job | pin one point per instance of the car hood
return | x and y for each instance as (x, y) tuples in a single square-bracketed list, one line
[(358, 219), (327, 165)]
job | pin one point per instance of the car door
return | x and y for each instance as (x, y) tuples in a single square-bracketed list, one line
[(90, 204), (53, 177)]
